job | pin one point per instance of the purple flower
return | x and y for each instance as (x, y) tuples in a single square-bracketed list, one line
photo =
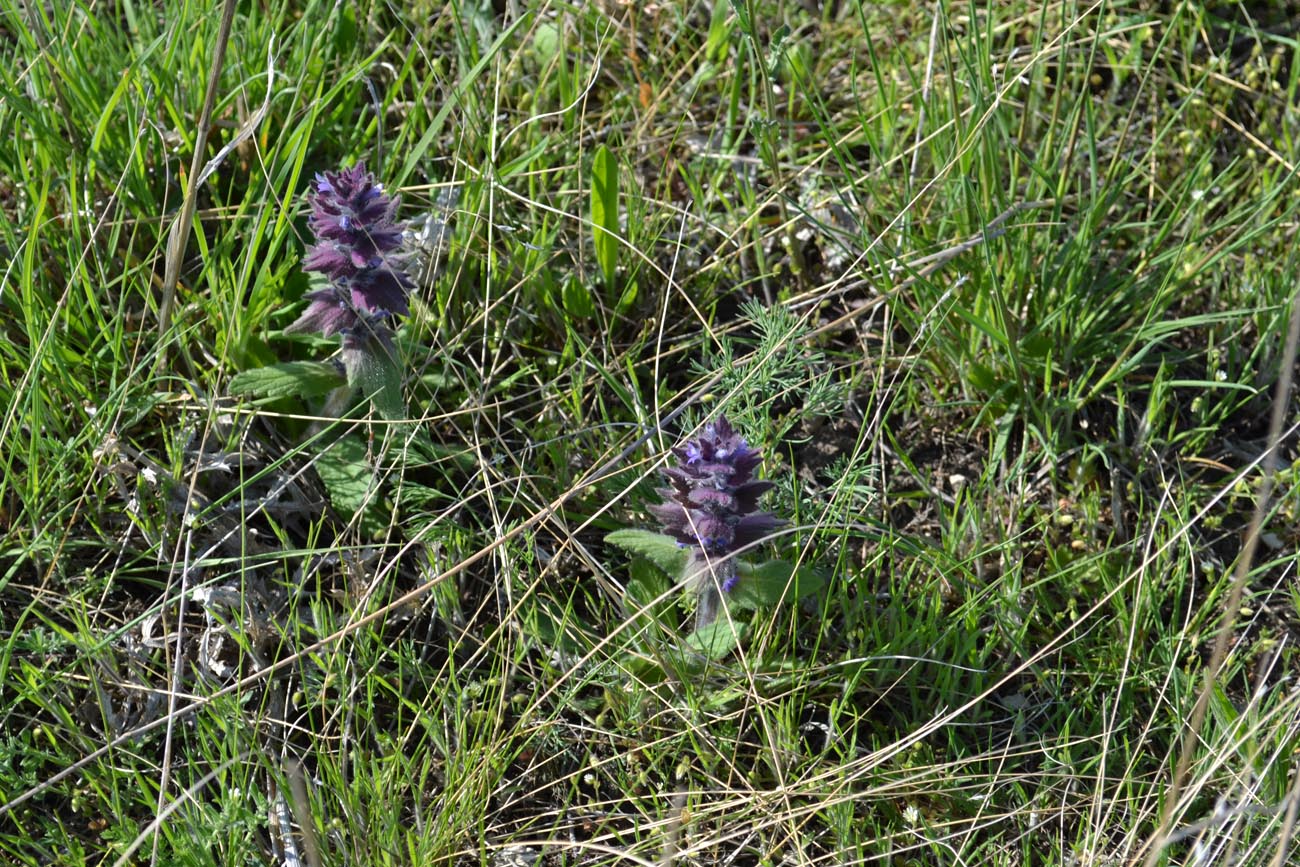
[(712, 503), (357, 249)]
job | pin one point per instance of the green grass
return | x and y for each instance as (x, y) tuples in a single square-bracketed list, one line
[(1003, 292)]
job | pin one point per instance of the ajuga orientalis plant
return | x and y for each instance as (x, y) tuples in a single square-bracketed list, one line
[(711, 508), (358, 251)]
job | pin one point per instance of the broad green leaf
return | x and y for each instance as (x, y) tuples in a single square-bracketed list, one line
[(577, 299), (659, 549), (797, 64), (554, 625), (345, 30), (291, 379), (742, 15), (765, 586), (981, 376), (1038, 345), (628, 298), (647, 583), (546, 42), (718, 638), (604, 212), (350, 481)]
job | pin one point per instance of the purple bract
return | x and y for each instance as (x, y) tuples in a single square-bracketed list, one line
[(712, 503)]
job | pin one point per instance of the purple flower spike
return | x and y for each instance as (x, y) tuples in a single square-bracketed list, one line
[(358, 244), (712, 504)]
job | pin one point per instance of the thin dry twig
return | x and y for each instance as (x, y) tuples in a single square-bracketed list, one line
[(1288, 822), (179, 236), (1231, 608)]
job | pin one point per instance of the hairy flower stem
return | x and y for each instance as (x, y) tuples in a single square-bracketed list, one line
[(710, 579), (709, 603)]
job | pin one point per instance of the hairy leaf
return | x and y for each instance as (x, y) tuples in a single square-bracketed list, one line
[(293, 378), (659, 549), (766, 585)]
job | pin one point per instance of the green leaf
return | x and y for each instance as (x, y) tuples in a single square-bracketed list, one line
[(981, 376), (524, 160), (628, 298), (659, 549), (577, 299), (717, 44), (1038, 345), (546, 42), (604, 212), (718, 638), (765, 586), (646, 584), (645, 671), (796, 67), (742, 15), (554, 625), (345, 30), (350, 482), (776, 49), (291, 379)]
